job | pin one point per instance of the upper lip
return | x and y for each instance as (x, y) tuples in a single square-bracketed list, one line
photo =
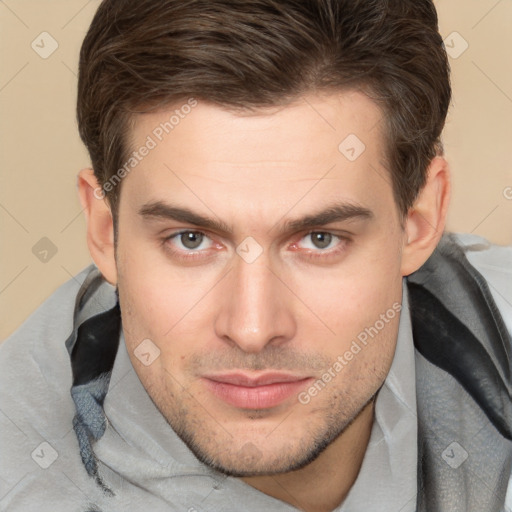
[(243, 379)]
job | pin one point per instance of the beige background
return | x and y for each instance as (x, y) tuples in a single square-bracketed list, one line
[(41, 153)]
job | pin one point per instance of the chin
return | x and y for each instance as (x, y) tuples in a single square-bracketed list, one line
[(261, 458)]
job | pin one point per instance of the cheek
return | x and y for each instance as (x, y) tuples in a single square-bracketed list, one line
[(359, 308), (352, 297), (169, 306), (152, 291)]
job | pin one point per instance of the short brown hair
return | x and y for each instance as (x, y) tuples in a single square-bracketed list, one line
[(244, 54)]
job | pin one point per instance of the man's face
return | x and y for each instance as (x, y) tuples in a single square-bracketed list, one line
[(258, 309)]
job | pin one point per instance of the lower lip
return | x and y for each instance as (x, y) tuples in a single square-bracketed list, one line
[(258, 397)]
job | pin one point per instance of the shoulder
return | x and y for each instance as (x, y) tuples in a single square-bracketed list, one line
[(37, 442), (494, 263), (485, 254), (36, 349)]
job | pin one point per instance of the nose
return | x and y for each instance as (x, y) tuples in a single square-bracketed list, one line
[(256, 307)]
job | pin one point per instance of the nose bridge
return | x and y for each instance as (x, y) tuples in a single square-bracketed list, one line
[(255, 311)]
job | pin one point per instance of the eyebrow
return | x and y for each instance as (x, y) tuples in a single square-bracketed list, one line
[(336, 212)]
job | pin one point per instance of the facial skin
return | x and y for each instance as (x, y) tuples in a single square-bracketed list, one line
[(293, 310)]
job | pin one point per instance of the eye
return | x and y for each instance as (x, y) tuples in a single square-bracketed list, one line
[(320, 240), (190, 241)]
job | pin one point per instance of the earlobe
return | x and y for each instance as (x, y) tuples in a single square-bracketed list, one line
[(100, 227), (426, 219)]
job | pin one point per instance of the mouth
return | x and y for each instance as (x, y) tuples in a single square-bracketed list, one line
[(262, 391)]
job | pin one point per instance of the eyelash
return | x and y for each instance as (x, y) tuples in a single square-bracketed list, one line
[(193, 255)]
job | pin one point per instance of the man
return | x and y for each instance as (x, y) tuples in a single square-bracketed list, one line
[(274, 319)]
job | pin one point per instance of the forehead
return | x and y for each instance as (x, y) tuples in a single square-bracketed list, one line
[(268, 155), (323, 121)]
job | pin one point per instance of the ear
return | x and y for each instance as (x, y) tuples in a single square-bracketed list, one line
[(100, 226), (426, 219)]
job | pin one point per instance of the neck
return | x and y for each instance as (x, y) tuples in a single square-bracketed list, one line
[(323, 485)]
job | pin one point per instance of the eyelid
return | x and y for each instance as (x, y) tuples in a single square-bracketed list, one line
[(191, 254), (323, 255), (188, 256), (177, 234), (324, 232)]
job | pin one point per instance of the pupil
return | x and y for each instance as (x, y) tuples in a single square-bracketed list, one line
[(191, 240), (322, 240)]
